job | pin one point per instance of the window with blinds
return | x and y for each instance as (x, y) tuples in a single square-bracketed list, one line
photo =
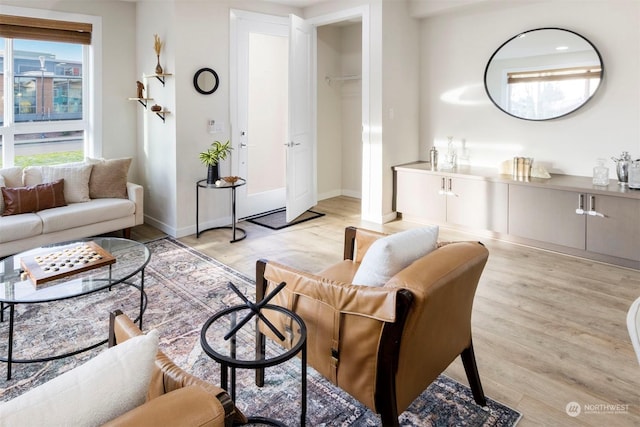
[(553, 75), (44, 113), (21, 27), (551, 92)]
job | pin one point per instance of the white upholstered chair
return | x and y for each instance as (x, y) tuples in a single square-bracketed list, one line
[(633, 324)]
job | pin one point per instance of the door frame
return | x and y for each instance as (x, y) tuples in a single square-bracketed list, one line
[(371, 202), (371, 199)]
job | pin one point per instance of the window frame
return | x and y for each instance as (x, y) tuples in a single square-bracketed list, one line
[(91, 123)]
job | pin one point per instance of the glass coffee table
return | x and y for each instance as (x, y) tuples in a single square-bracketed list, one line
[(17, 288)]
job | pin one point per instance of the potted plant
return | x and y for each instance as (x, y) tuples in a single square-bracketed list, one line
[(211, 158)]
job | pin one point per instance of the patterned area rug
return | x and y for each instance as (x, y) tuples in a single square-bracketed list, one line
[(185, 288)]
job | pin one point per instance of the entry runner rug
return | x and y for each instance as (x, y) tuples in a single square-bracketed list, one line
[(184, 288), (277, 220)]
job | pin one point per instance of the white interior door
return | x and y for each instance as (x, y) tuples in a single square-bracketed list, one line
[(261, 58), (301, 163), (273, 119)]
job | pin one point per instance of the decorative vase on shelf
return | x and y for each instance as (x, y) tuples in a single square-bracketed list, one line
[(158, 66), (212, 174), (157, 47)]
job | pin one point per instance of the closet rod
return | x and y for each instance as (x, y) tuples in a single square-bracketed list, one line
[(330, 79)]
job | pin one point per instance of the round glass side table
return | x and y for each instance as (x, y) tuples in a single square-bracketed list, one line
[(203, 184), (234, 338)]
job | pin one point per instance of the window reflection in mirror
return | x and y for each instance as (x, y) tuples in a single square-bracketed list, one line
[(543, 74)]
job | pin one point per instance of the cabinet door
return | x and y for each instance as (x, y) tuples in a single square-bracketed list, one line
[(546, 215), (618, 232), (418, 198), (478, 204)]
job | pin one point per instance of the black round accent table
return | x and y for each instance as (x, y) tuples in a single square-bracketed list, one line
[(203, 184), (233, 337)]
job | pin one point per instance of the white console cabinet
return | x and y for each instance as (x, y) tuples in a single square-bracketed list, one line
[(596, 223), (565, 213), (466, 202)]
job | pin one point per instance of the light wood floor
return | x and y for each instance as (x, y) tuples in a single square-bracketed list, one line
[(548, 329)]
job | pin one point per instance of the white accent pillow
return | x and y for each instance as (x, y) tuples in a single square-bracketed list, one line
[(105, 387), (76, 180), (389, 255), (32, 175), (12, 176)]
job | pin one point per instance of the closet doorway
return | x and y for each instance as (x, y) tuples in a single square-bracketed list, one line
[(339, 109)]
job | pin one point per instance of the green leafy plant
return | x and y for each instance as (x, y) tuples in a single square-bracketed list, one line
[(218, 151)]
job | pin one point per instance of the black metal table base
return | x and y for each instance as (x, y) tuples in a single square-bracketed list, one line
[(267, 421), (202, 184), (227, 227), (229, 364)]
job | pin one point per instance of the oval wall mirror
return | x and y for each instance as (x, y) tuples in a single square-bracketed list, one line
[(206, 81), (543, 74)]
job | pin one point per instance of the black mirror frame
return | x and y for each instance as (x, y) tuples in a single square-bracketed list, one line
[(486, 88), (197, 86)]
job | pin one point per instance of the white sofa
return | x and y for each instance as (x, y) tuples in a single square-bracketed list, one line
[(78, 219)]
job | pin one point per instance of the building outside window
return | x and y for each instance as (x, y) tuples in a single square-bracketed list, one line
[(44, 116)]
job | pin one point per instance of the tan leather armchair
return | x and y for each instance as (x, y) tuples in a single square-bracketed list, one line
[(385, 345), (175, 397)]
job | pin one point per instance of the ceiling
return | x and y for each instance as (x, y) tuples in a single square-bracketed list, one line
[(298, 3), (417, 8)]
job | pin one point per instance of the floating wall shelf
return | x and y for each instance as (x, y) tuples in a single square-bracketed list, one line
[(160, 77), (145, 101), (161, 114), (142, 101)]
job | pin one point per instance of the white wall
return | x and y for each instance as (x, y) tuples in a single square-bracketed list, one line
[(351, 106), (197, 35), (400, 94), (329, 112), (455, 48), (157, 148)]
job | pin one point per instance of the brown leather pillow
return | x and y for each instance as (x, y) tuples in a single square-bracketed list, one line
[(34, 198)]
